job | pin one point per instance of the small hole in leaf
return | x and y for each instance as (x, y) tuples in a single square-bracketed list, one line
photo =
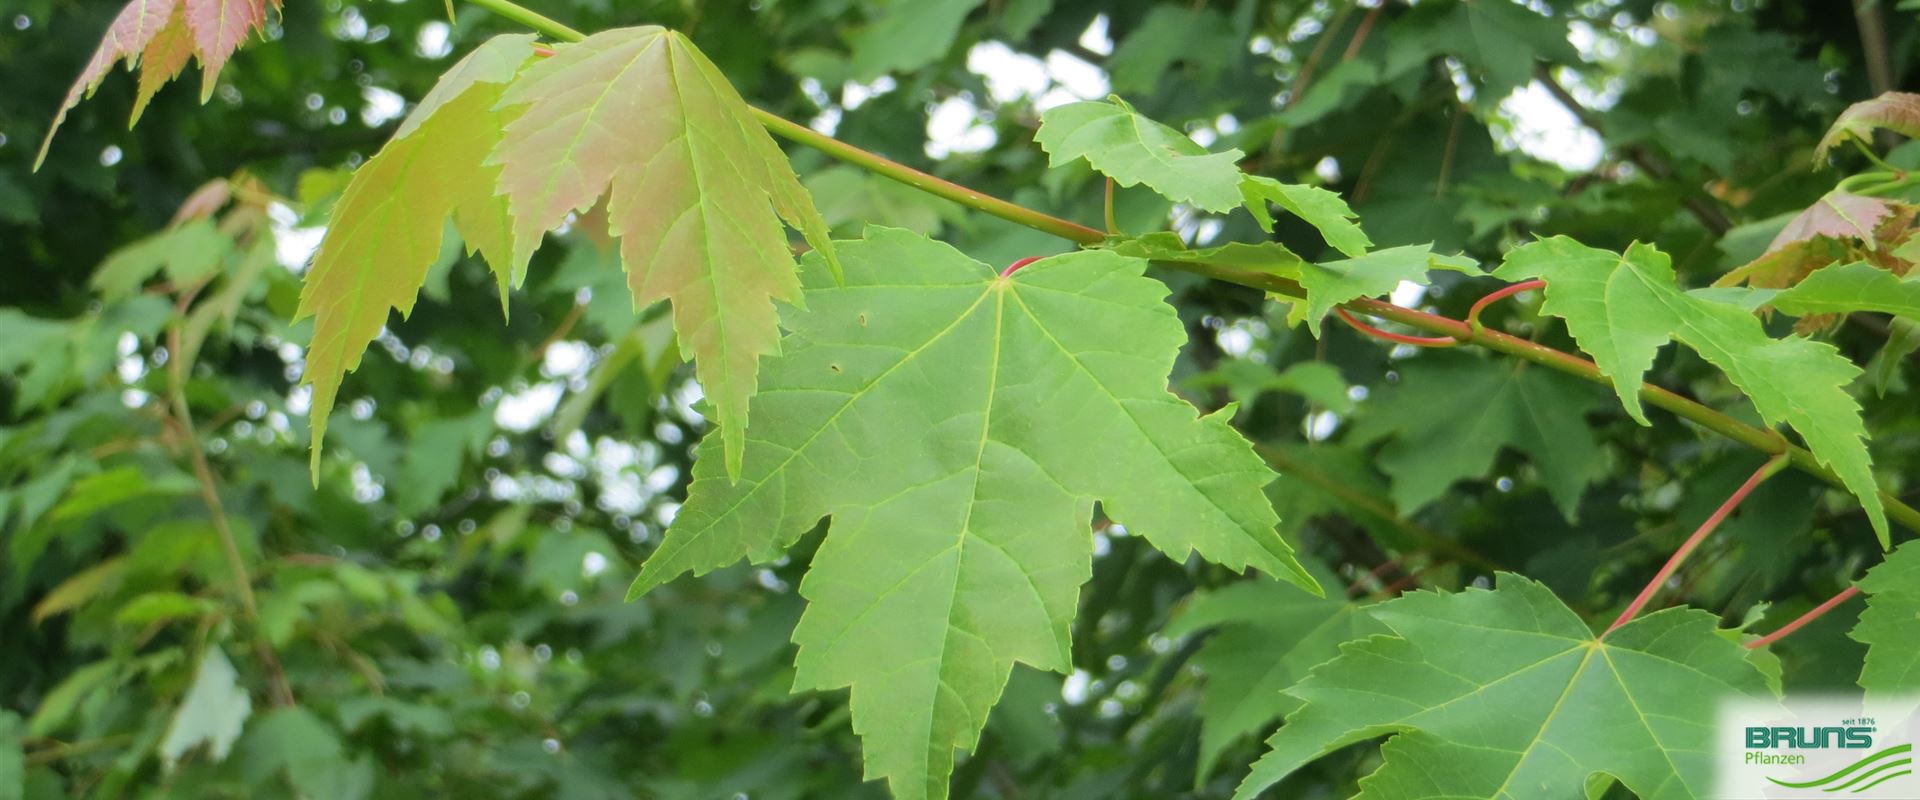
[(863, 320), (834, 367)]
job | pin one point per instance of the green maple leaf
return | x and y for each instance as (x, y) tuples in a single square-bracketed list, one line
[(693, 184), (387, 226), (1507, 694), (1452, 413), (1847, 288), (1623, 308), (1334, 282), (1266, 636), (1171, 35), (907, 35), (1890, 625), (1269, 257), (1120, 143), (958, 427), (1320, 208)]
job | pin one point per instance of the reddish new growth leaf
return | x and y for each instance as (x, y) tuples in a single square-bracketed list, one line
[(219, 26), (158, 36), (1839, 215), (1894, 111), (695, 190), (1839, 228)]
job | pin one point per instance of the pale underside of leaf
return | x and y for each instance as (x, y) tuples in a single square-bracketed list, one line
[(1320, 208), (212, 712), (1506, 694), (958, 427), (1269, 257), (693, 186), (387, 226), (1131, 149), (1331, 283), (1846, 288)]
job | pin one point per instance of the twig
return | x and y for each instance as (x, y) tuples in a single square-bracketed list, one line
[(182, 420), (1360, 33), (1300, 79), (60, 750), (1345, 493), (1374, 575), (1873, 43), (561, 330)]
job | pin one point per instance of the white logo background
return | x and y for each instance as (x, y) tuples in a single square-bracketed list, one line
[(1832, 771)]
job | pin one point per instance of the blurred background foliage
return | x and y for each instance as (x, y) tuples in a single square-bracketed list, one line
[(438, 612)]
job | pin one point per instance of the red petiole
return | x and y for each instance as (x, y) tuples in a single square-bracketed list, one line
[(1416, 341), (1473, 314), (1018, 264), (1692, 543), (1832, 603)]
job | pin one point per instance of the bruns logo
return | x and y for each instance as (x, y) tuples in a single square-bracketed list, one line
[(1857, 737), (1807, 747)]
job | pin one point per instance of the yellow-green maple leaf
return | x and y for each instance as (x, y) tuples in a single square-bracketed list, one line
[(387, 227), (693, 184)]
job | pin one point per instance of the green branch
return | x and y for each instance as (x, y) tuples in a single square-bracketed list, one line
[(541, 23), (938, 187), (1764, 440)]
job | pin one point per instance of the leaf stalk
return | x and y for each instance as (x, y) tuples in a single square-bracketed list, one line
[(1801, 621), (1400, 338), (1700, 534)]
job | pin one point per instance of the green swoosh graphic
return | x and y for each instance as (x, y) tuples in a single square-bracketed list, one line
[(1895, 750), (1899, 762), (1881, 781)]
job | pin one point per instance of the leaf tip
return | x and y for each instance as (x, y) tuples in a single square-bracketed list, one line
[(642, 584)]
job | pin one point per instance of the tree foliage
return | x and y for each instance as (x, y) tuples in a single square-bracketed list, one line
[(925, 451)]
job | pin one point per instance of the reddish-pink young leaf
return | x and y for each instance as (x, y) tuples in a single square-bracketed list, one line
[(162, 60), (1894, 111), (131, 32), (204, 202), (159, 37), (219, 26), (695, 191), (1839, 215)]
